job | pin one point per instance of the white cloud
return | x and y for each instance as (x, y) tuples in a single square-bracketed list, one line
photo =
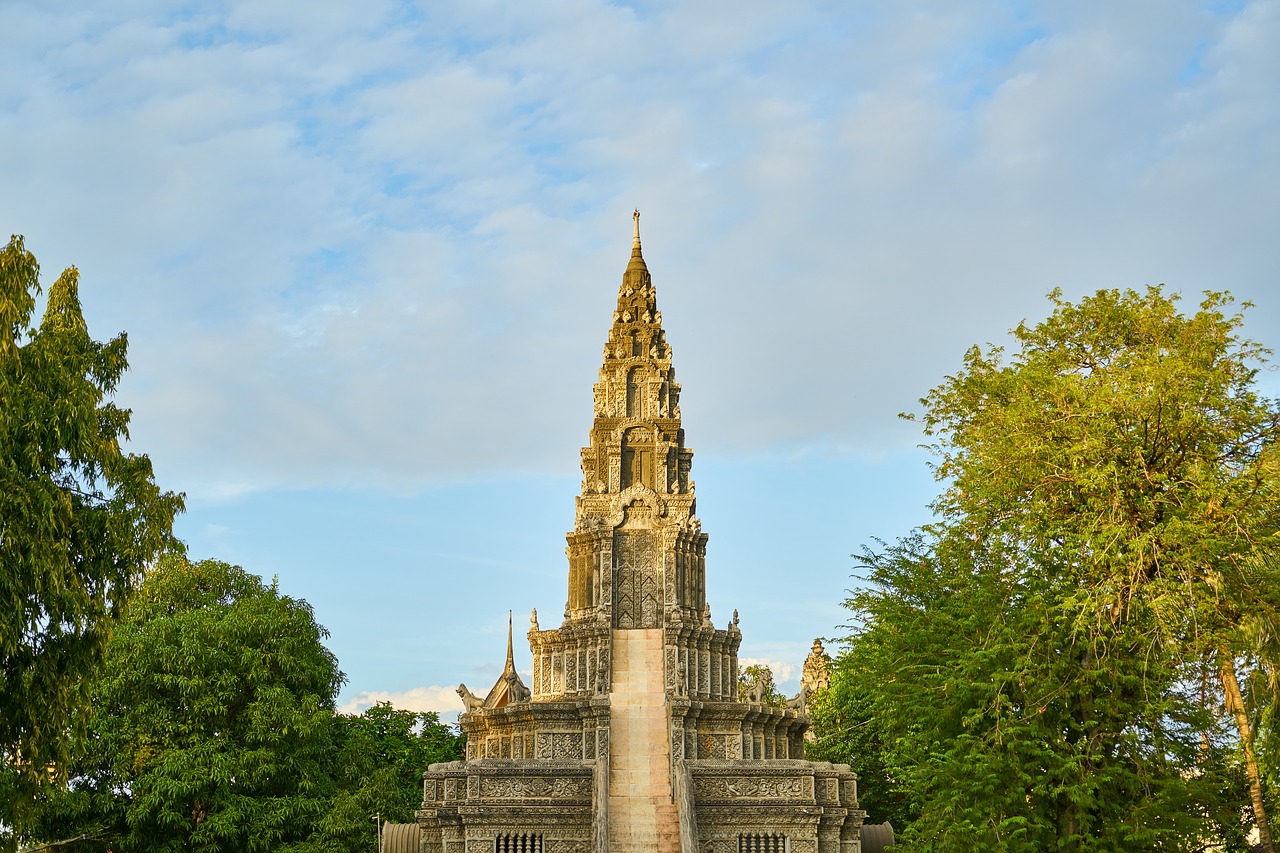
[(368, 248), (783, 671), (442, 700)]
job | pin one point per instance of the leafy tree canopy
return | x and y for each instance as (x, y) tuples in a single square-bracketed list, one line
[(382, 754), (1053, 663), (212, 723), (79, 519), (213, 729), (843, 722)]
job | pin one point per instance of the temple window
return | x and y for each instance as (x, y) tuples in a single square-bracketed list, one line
[(518, 842), (763, 842), (637, 458), (634, 402)]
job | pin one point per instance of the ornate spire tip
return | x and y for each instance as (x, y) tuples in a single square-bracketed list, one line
[(511, 661), (635, 237)]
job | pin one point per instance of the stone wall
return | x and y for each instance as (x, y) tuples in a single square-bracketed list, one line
[(469, 807), (814, 805)]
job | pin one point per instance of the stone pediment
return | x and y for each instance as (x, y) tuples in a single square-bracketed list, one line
[(637, 506), (509, 690)]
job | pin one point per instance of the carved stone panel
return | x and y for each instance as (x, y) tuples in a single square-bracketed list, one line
[(637, 591), (718, 845), (566, 746), (516, 788), (753, 787), (566, 845)]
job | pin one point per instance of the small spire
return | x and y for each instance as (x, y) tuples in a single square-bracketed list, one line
[(511, 659), (637, 273)]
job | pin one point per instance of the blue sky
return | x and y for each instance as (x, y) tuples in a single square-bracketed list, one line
[(367, 255)]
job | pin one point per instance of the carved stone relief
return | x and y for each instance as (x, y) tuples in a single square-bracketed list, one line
[(566, 746), (516, 788), (636, 590), (752, 787), (564, 845)]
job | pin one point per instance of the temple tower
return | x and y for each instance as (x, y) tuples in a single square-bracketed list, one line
[(637, 554), (632, 736)]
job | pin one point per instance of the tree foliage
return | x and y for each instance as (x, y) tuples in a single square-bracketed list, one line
[(79, 518), (844, 725), (212, 721), (213, 729), (382, 754), (1050, 663)]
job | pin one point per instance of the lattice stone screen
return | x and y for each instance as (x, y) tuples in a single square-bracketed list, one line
[(518, 842), (763, 842)]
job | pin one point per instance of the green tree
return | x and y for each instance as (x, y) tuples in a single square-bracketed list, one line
[(381, 755), (1104, 553), (79, 519), (212, 723), (1008, 730), (848, 731)]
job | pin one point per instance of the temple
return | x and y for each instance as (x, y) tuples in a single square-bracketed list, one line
[(632, 736)]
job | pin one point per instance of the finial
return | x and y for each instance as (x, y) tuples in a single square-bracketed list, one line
[(511, 659), (635, 236)]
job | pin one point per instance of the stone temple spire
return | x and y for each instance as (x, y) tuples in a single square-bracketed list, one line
[(637, 259), (632, 735), (511, 658), (635, 472)]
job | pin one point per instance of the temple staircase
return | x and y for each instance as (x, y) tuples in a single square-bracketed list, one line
[(642, 815)]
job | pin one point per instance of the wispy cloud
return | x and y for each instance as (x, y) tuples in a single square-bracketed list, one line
[(783, 671), (442, 700), (356, 233)]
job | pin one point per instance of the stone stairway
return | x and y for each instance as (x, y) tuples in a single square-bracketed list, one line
[(642, 816)]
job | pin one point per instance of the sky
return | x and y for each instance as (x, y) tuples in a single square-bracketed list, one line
[(367, 255)]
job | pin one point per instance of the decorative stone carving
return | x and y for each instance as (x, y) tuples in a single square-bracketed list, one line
[(816, 672), (636, 591), (753, 787), (566, 746), (470, 701), (800, 702), (561, 845)]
